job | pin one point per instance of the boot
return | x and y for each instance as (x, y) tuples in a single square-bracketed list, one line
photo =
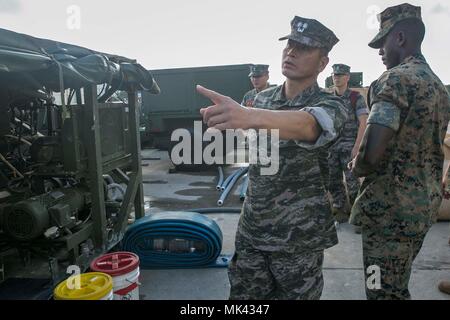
[(444, 286)]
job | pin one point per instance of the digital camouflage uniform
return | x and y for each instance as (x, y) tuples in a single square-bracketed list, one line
[(341, 154), (249, 98), (399, 201), (286, 222), (255, 71)]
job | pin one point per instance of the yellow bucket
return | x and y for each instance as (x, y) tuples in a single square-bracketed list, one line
[(89, 286)]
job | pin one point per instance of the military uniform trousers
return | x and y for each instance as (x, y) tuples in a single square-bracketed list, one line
[(394, 255), (260, 275), (339, 157)]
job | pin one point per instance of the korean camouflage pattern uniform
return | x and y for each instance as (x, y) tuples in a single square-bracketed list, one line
[(398, 203), (255, 70), (341, 152), (286, 221)]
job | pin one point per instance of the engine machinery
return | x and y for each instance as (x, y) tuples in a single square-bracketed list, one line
[(70, 173)]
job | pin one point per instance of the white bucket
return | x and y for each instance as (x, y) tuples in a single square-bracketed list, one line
[(126, 287), (109, 296), (123, 268)]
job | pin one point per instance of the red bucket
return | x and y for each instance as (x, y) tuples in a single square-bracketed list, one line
[(123, 267)]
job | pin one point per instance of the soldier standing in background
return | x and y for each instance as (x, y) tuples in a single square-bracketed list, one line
[(346, 147), (286, 222), (259, 76), (401, 155)]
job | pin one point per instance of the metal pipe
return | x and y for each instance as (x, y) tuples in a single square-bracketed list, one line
[(219, 184), (230, 186), (17, 139), (10, 166), (27, 127)]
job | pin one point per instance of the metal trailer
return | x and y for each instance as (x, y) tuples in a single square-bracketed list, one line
[(178, 104)]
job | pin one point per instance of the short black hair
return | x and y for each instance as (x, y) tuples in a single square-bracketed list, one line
[(324, 52), (413, 28)]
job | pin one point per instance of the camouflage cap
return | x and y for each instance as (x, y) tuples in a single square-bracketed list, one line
[(389, 17), (311, 33), (341, 69), (257, 70)]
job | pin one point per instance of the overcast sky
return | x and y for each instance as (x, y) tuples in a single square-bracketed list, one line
[(164, 34)]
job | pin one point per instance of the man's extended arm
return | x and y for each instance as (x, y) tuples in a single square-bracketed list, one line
[(228, 114)]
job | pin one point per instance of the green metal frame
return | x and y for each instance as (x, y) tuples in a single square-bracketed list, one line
[(97, 166)]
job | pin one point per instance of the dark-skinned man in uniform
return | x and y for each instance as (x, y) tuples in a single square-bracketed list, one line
[(401, 155)]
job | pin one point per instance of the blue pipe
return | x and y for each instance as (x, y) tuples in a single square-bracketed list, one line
[(219, 184), (244, 188), (230, 186), (228, 180)]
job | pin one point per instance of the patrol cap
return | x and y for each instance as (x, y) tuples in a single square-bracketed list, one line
[(341, 69), (257, 70), (312, 33), (391, 16)]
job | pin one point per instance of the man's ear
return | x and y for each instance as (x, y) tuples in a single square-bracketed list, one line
[(323, 63), (401, 39)]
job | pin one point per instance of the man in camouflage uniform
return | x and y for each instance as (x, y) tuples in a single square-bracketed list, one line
[(345, 149), (286, 222), (400, 156), (444, 285), (259, 76)]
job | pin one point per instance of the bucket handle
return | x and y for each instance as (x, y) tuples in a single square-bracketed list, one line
[(131, 282)]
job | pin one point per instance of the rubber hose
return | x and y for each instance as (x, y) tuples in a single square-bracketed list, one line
[(117, 187), (108, 179), (244, 188), (216, 210), (180, 226), (228, 180), (225, 193), (219, 184)]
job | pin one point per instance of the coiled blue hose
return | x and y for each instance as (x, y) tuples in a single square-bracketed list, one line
[(189, 226)]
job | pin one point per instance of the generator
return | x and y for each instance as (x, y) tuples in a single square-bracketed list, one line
[(70, 173)]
